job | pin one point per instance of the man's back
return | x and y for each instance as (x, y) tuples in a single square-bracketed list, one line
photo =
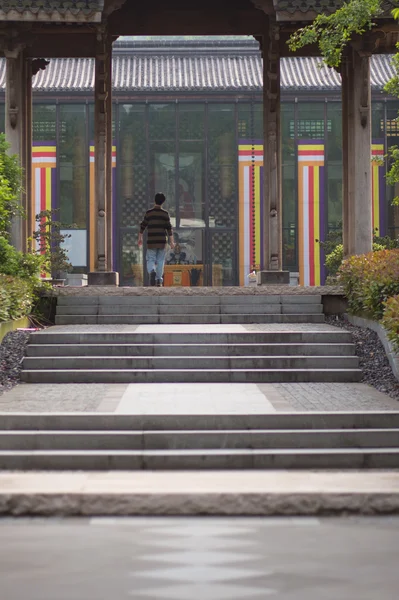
[(157, 222)]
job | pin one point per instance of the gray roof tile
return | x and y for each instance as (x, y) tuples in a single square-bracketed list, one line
[(194, 73)]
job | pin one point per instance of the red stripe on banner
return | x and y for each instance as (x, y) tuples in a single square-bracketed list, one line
[(43, 189), (311, 152), (38, 154), (250, 153), (311, 226)]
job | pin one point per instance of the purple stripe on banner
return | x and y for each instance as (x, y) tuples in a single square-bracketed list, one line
[(114, 222), (322, 217), (43, 143), (261, 203), (382, 201)]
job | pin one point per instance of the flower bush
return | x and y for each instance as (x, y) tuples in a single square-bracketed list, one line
[(390, 320), (369, 280)]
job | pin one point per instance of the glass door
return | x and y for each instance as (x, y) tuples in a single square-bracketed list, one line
[(222, 259), (185, 265)]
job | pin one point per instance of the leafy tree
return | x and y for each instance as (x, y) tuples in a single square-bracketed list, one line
[(332, 32), (10, 187)]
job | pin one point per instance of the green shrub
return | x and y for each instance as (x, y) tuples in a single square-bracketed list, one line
[(369, 280), (335, 258), (16, 297), (26, 266), (390, 320)]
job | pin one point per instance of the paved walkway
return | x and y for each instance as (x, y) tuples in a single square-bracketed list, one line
[(195, 398)]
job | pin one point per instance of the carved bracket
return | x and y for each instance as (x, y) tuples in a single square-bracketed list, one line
[(39, 64)]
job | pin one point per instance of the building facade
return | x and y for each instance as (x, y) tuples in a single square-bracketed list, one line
[(188, 121)]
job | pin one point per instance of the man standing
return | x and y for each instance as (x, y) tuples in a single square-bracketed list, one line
[(157, 222)]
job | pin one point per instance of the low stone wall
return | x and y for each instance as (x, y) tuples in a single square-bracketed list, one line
[(382, 334), (266, 290), (7, 326)]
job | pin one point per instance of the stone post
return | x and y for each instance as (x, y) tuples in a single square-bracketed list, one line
[(103, 157), (272, 173), (356, 145), (17, 101)]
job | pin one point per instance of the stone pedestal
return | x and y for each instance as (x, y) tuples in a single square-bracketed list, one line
[(103, 278), (273, 277)]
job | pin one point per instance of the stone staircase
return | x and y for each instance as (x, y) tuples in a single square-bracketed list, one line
[(107, 356), (183, 309), (199, 442)]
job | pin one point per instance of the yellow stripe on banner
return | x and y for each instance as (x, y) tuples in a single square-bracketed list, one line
[(41, 149), (48, 189), (257, 215), (376, 198), (316, 212), (257, 147), (311, 147)]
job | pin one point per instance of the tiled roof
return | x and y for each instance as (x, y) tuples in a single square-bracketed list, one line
[(194, 73), (59, 10)]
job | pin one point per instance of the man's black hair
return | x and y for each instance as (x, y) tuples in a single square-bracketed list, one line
[(159, 199)]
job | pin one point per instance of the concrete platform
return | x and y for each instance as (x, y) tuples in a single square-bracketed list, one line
[(193, 493)]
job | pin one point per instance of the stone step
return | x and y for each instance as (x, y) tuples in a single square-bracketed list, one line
[(168, 319), (184, 299), (190, 309), (196, 440), (215, 349), (191, 493), (182, 362), (50, 336), (94, 421), (100, 460), (191, 376)]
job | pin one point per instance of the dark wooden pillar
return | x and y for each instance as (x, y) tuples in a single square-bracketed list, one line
[(272, 179), (18, 126), (103, 274), (356, 144)]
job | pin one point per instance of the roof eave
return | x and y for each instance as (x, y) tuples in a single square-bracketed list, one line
[(55, 16)]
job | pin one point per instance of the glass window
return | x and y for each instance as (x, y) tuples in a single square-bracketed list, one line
[(392, 132), (288, 132), (163, 174), (73, 159), (310, 120), (191, 121), (162, 121), (334, 166), (250, 121), (190, 185), (377, 120), (44, 127)]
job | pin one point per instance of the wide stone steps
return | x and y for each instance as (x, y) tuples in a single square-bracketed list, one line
[(109, 357), (196, 309), (177, 442)]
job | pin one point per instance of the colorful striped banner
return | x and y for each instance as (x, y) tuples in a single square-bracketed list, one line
[(250, 179), (44, 178), (92, 211), (378, 188), (311, 212)]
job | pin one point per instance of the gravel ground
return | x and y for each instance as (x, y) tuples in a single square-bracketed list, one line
[(373, 360), (12, 350)]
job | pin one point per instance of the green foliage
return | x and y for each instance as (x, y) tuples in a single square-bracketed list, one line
[(332, 32), (49, 240), (390, 320), (18, 264), (16, 297), (369, 280), (10, 187)]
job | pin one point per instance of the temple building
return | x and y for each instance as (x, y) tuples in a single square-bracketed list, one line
[(187, 120), (260, 153)]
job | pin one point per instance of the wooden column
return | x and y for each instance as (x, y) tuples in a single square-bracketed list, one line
[(109, 211), (272, 173), (103, 274), (356, 144), (18, 109)]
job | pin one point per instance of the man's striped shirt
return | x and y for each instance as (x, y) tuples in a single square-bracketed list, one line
[(157, 222)]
